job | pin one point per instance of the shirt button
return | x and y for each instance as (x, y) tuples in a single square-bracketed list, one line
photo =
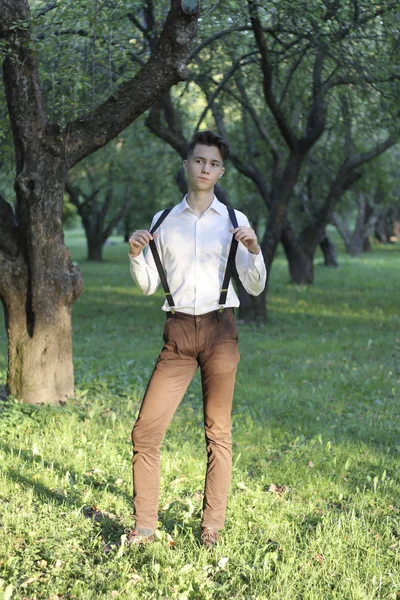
[(198, 319)]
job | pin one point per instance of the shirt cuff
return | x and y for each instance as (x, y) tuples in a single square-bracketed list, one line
[(137, 261), (255, 260)]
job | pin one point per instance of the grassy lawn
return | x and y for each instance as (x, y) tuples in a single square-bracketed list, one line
[(314, 509)]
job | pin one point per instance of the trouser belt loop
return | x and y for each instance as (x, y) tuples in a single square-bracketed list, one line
[(218, 315)]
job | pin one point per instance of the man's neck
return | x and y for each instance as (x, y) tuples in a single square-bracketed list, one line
[(199, 201)]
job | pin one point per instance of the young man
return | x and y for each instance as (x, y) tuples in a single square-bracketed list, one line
[(193, 242)]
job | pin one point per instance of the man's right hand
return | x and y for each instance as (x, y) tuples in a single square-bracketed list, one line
[(139, 240)]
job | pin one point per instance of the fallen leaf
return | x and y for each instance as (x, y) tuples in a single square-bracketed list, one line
[(310, 464), (170, 541), (134, 580), (319, 558), (42, 563), (241, 485), (93, 512), (278, 490), (29, 581), (58, 564), (223, 562)]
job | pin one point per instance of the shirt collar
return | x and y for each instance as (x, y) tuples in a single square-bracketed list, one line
[(215, 205)]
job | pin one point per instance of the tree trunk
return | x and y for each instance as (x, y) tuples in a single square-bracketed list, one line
[(252, 309), (277, 217), (40, 366), (301, 262), (329, 251), (95, 250), (367, 244), (39, 285)]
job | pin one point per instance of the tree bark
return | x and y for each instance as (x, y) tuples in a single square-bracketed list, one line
[(38, 282), (38, 288)]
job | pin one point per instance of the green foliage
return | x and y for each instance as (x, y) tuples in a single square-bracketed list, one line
[(313, 509)]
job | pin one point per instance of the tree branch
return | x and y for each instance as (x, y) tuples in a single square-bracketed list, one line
[(165, 67), (292, 70), (317, 112), (172, 135), (256, 118), (212, 97), (360, 159), (251, 171), (116, 219), (286, 131), (45, 10)]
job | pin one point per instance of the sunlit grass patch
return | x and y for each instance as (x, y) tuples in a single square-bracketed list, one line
[(314, 504)]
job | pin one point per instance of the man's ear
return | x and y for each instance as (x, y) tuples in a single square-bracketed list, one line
[(222, 172), (185, 164)]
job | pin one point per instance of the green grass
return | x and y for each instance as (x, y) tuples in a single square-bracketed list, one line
[(316, 410)]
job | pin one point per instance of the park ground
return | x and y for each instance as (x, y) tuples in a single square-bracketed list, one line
[(314, 510)]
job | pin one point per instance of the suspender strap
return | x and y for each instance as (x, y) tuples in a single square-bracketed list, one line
[(228, 270), (157, 260), (230, 263)]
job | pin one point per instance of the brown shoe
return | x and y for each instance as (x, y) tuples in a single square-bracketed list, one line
[(209, 537), (135, 538)]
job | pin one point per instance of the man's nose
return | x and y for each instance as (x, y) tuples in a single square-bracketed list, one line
[(206, 168)]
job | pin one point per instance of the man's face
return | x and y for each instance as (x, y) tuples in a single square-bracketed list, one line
[(204, 167)]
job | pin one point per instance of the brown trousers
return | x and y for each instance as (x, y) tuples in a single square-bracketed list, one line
[(210, 342)]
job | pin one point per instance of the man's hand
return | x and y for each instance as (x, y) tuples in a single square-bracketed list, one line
[(139, 240), (248, 237)]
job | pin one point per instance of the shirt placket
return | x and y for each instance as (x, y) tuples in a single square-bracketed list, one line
[(197, 252)]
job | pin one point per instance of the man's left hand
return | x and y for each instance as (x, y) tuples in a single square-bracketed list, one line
[(248, 237)]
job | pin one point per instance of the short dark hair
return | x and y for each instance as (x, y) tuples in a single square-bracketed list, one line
[(209, 138)]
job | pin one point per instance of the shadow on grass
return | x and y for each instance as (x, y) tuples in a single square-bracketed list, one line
[(110, 525), (62, 470)]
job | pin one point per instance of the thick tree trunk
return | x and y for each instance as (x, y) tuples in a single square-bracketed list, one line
[(329, 251), (39, 286), (40, 366)]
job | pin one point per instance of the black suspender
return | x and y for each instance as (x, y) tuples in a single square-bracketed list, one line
[(157, 260), (229, 265)]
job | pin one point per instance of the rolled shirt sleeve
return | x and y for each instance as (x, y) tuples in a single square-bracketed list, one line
[(143, 268), (250, 267)]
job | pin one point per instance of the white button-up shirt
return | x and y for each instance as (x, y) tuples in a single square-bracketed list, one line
[(194, 252)]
